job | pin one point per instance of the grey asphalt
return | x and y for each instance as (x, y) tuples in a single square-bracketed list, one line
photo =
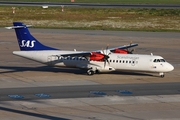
[(166, 6), (86, 91)]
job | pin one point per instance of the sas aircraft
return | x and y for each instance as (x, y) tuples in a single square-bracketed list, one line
[(108, 60)]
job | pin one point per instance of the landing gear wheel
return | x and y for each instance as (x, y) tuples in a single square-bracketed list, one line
[(90, 72), (162, 75)]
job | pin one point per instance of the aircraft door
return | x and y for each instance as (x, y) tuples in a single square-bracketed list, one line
[(52, 59)]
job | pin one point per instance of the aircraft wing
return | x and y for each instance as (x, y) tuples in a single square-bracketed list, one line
[(123, 47), (84, 54), (87, 54)]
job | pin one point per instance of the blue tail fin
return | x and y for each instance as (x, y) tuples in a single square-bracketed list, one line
[(26, 41)]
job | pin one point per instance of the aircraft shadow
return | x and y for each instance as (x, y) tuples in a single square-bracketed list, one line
[(11, 69), (48, 117)]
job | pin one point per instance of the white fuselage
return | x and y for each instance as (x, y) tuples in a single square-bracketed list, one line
[(119, 62)]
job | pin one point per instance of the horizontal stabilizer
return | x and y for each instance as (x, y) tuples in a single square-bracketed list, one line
[(15, 27)]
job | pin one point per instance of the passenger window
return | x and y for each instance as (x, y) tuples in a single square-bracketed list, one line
[(116, 61), (113, 60), (123, 61), (120, 61), (110, 61), (129, 61)]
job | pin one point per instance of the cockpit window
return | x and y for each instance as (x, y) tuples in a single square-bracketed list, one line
[(162, 60), (159, 60)]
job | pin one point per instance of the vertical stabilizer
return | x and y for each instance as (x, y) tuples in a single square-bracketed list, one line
[(25, 40)]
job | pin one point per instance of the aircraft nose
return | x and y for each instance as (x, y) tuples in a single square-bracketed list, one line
[(170, 67)]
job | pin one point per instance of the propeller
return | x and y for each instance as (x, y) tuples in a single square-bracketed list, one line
[(130, 51), (106, 56)]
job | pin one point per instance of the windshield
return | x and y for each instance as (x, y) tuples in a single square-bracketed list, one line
[(159, 60)]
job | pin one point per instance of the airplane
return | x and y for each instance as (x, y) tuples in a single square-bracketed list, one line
[(98, 61)]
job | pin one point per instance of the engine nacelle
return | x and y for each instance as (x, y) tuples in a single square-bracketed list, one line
[(121, 51), (96, 56)]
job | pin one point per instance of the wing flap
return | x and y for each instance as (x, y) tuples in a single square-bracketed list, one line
[(76, 54)]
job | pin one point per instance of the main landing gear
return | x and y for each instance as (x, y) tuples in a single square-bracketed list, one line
[(90, 72), (161, 75)]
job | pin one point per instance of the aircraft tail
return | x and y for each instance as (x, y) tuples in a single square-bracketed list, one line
[(25, 40)]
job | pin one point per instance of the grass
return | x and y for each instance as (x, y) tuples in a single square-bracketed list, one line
[(94, 18), (108, 1)]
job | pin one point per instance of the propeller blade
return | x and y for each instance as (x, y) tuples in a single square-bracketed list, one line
[(104, 64), (130, 51), (106, 57), (108, 62), (130, 42), (107, 48), (103, 50)]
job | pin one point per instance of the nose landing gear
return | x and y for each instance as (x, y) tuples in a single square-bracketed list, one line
[(161, 75)]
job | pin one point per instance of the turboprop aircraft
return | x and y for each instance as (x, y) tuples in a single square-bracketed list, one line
[(107, 60)]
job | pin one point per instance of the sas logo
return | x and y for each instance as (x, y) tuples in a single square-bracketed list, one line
[(27, 43)]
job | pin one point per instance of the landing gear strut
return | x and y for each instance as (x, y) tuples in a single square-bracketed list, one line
[(161, 74)]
